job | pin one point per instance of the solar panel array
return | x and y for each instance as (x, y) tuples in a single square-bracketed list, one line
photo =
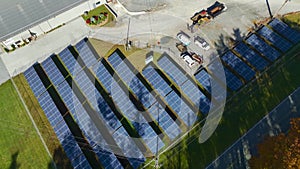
[(144, 95), (275, 39), (209, 83), (128, 108), (238, 65), (90, 108), (261, 46), (285, 30), (61, 129), (255, 50), (251, 56), (189, 88), (232, 81), (81, 116), (170, 96)]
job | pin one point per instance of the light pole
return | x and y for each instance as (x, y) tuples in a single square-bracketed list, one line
[(286, 1), (269, 9)]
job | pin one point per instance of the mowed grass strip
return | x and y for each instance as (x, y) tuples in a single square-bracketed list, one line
[(20, 145), (244, 110), (45, 128)]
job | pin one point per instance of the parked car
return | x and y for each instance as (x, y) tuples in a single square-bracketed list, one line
[(197, 58), (201, 43), (188, 59), (182, 37), (182, 48)]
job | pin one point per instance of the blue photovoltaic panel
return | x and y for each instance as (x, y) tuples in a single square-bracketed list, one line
[(209, 83), (173, 100), (263, 47), (157, 82), (130, 79), (238, 65), (181, 108), (61, 130), (173, 71), (165, 121), (120, 98), (233, 82), (60, 127), (85, 53), (251, 56), (189, 88), (197, 97), (285, 30), (70, 62), (52, 71), (100, 105), (103, 75), (115, 60), (103, 109), (275, 39), (146, 98), (204, 79), (33, 81)]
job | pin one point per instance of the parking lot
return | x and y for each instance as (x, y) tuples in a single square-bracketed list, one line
[(174, 17)]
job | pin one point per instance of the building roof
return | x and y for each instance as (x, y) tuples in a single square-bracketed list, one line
[(17, 16)]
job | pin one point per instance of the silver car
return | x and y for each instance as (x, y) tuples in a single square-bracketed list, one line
[(201, 43)]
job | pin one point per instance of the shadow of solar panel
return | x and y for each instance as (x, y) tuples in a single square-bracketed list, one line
[(238, 65), (275, 39), (284, 30), (233, 82), (263, 47), (251, 56)]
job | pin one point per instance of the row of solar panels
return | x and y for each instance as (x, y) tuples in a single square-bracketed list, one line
[(252, 55), (106, 97)]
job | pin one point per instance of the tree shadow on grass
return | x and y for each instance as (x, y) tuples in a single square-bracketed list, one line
[(14, 164), (60, 160)]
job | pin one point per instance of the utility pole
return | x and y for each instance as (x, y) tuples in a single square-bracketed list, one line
[(269, 9), (127, 37)]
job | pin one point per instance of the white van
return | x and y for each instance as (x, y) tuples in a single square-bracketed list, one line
[(183, 38), (187, 58)]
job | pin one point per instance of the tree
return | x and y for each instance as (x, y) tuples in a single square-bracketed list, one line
[(281, 151)]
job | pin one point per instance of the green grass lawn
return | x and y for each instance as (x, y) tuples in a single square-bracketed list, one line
[(244, 110), (20, 145)]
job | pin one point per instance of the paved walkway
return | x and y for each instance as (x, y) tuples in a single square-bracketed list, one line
[(275, 122), (53, 42)]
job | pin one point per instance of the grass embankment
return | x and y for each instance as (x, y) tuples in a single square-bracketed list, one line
[(136, 56), (293, 19), (20, 145), (42, 123), (244, 110)]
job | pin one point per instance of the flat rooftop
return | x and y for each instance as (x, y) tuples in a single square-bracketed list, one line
[(17, 16)]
